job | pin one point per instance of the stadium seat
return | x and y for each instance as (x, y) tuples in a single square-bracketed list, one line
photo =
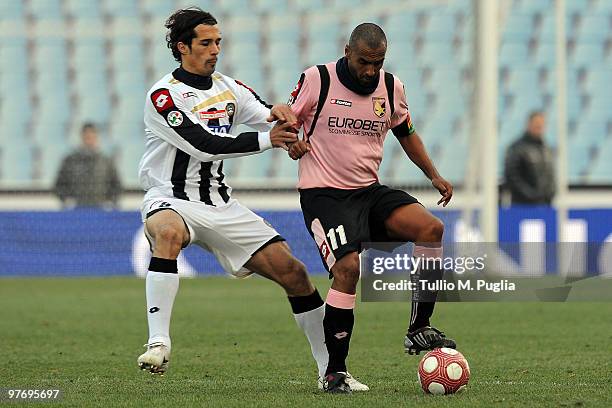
[(45, 9), (284, 169), (435, 53), (158, 8), (597, 78), (574, 6), (281, 83), (513, 53), (17, 160), (270, 6), (602, 7), (586, 54), (11, 10), (440, 27), (284, 55), (308, 5), (593, 28), (283, 28), (600, 171), (121, 8), (254, 171), (518, 27), (579, 157), (400, 28), (322, 52), (392, 152), (592, 131), (530, 6), (82, 9)]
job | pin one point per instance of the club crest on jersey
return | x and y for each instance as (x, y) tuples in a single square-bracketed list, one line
[(162, 100), (378, 104), (230, 108), (175, 118)]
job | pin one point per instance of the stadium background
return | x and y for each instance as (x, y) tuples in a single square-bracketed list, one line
[(64, 62)]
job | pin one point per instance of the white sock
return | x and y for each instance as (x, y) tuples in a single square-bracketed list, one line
[(161, 288), (312, 324)]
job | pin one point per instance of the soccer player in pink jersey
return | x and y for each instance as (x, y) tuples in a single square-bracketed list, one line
[(346, 109)]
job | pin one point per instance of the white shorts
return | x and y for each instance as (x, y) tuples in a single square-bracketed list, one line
[(232, 232)]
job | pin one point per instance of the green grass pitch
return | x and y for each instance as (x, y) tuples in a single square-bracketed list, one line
[(235, 343)]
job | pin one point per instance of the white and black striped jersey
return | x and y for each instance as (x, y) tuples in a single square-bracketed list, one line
[(188, 120)]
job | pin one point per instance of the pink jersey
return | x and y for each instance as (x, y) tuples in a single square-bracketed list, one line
[(347, 141)]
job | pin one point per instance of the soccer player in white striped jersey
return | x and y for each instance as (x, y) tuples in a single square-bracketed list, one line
[(189, 116)]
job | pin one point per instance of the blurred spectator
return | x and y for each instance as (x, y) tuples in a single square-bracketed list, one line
[(529, 170), (87, 178)]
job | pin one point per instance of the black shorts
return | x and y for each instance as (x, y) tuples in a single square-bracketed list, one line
[(341, 220)]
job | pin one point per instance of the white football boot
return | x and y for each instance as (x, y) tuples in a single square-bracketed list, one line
[(155, 359), (350, 380)]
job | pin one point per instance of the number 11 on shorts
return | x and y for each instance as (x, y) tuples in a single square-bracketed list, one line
[(331, 234)]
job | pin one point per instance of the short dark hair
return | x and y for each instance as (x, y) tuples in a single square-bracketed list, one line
[(181, 27), (88, 126), (371, 34), (534, 114)]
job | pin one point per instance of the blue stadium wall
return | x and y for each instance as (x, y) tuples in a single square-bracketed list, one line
[(87, 242)]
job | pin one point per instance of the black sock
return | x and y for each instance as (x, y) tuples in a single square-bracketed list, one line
[(423, 301), (338, 327), (303, 304)]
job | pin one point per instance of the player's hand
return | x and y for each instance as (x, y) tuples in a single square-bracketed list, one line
[(445, 188), (282, 113), (282, 134), (298, 149)]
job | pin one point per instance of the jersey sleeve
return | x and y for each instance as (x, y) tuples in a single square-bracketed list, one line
[(168, 118), (401, 122), (253, 111), (304, 97)]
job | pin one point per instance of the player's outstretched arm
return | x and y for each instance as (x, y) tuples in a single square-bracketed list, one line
[(415, 150)]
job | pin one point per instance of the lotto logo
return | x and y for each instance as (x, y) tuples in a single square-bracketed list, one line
[(162, 100)]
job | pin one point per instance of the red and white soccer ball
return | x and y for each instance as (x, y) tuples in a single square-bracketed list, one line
[(443, 371)]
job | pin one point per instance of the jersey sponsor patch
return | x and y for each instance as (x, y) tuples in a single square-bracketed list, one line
[(189, 95), (216, 114), (162, 100), (296, 91), (175, 118), (378, 105), (342, 102)]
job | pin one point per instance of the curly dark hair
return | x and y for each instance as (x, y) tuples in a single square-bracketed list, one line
[(181, 26)]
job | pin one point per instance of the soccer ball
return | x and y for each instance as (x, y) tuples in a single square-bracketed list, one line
[(443, 371)]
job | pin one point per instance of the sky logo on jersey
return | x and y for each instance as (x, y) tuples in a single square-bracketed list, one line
[(378, 104), (208, 115), (162, 100), (341, 102)]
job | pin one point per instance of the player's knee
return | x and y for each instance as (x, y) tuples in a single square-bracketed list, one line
[(346, 270), (295, 278), (170, 236), (432, 231)]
